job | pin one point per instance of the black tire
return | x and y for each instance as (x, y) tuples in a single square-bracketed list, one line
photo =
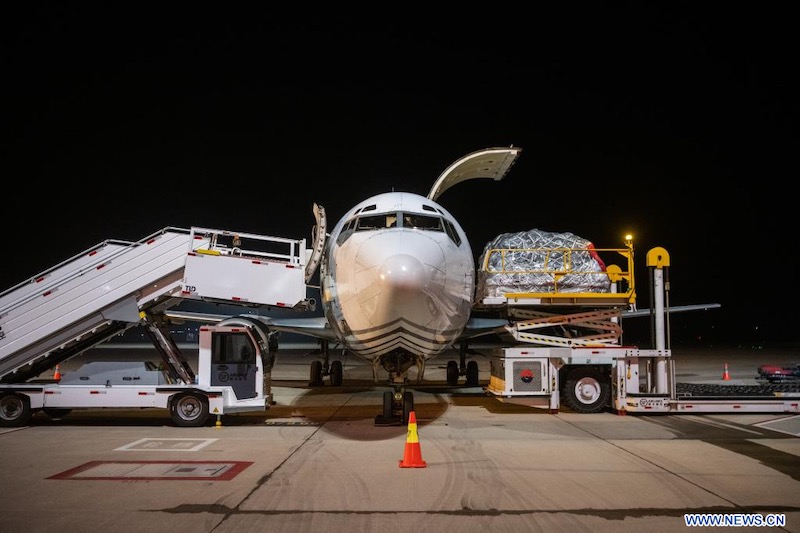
[(15, 410), (315, 380), (56, 412), (388, 408), (189, 409), (586, 390), (472, 374), (452, 373), (408, 405), (336, 373)]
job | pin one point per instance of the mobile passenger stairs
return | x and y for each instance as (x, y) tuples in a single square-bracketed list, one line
[(567, 339), (117, 285)]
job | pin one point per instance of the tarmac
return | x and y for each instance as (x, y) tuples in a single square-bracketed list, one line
[(315, 461)]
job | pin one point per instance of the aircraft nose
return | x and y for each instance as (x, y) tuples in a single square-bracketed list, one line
[(403, 272)]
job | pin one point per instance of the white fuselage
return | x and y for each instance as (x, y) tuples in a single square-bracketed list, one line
[(397, 279)]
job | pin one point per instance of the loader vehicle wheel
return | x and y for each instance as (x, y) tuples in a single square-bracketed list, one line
[(15, 410), (189, 409), (586, 390)]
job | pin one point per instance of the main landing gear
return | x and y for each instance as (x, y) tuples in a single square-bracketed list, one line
[(455, 370), (319, 369)]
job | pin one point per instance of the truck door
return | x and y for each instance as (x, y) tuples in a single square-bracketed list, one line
[(233, 363)]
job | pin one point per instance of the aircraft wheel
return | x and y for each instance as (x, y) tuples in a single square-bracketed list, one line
[(586, 390), (56, 412), (388, 407), (316, 374), (15, 410), (408, 405), (452, 373), (336, 373), (472, 374), (189, 409)]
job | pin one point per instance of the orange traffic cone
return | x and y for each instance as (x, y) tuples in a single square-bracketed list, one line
[(57, 373), (725, 375), (413, 455)]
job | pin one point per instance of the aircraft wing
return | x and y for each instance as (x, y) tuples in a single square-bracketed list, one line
[(679, 309), (315, 326), (477, 327), (483, 326)]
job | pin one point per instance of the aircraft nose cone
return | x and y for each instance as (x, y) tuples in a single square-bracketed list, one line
[(403, 272)]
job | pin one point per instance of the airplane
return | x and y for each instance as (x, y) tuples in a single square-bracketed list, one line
[(397, 282)]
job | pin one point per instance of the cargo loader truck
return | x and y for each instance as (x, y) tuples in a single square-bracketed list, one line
[(563, 346), (116, 285)]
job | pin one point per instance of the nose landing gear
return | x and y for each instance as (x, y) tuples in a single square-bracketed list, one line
[(397, 407)]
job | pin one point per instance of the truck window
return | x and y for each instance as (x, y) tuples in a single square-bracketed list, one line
[(232, 348)]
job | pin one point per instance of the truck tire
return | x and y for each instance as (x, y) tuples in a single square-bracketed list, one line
[(586, 390), (189, 409), (15, 410)]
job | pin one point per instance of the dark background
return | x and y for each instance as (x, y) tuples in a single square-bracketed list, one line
[(677, 124)]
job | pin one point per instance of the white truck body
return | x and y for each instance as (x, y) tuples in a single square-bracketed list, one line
[(233, 376), (625, 379)]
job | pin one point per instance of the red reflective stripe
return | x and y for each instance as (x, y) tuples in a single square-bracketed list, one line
[(48, 293), (151, 241), (93, 252), (101, 266)]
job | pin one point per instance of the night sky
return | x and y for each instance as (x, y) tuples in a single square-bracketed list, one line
[(677, 124)]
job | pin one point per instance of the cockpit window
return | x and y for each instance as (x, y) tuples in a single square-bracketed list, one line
[(346, 231), (377, 222), (451, 232), (413, 221)]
